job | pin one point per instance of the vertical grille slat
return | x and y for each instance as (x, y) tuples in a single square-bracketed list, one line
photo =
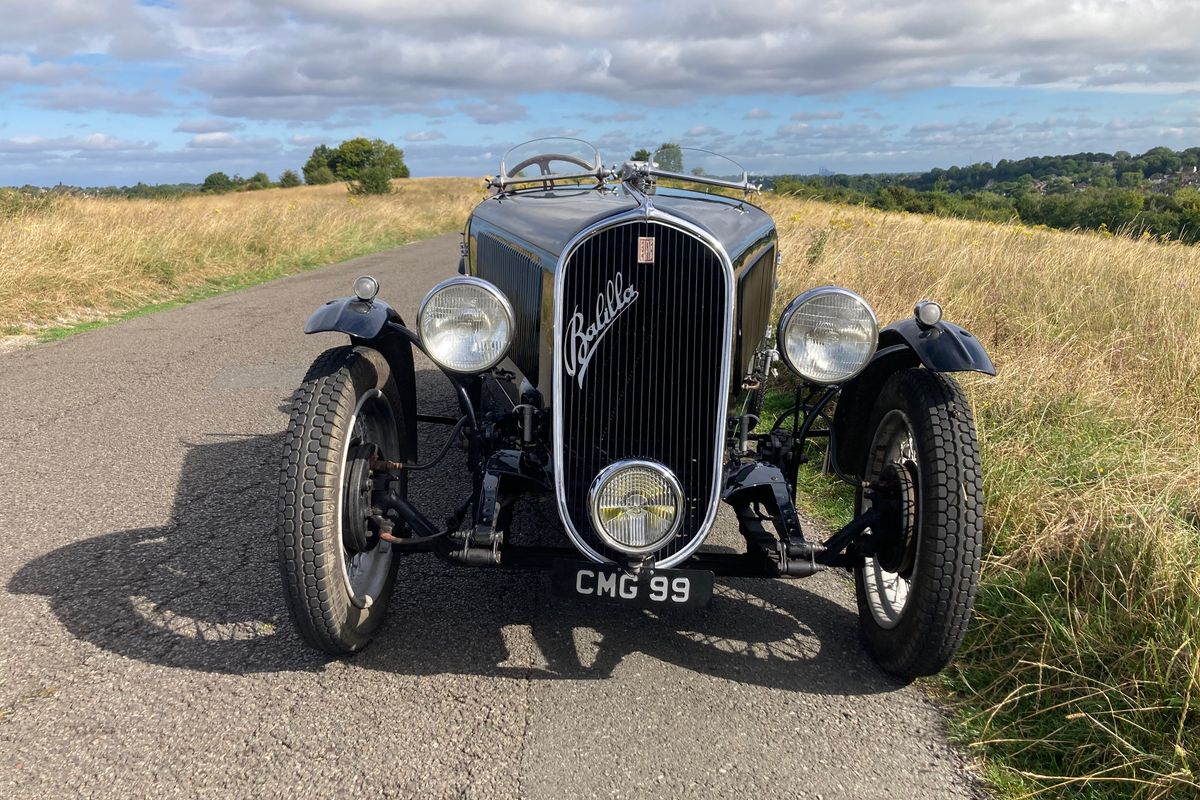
[(654, 387), (519, 276), (756, 292)]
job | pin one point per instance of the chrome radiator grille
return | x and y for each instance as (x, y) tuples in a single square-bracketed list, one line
[(642, 369)]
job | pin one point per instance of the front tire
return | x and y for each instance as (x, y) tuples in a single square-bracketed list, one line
[(337, 594), (915, 596)]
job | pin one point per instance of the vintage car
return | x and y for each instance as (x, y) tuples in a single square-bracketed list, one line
[(610, 336)]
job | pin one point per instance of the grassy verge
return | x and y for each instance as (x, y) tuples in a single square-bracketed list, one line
[(67, 264), (1081, 673)]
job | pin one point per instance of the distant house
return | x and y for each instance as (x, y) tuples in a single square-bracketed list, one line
[(1190, 176)]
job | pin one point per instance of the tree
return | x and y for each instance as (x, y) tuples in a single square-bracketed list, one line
[(641, 155), (217, 183), (375, 179), (669, 157), (289, 179), (351, 158), (320, 175), (259, 180), (1130, 180), (389, 157), (317, 170)]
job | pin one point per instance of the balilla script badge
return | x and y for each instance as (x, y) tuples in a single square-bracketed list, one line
[(579, 344)]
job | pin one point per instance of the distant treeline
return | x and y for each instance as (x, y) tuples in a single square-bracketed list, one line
[(1156, 193), (367, 165)]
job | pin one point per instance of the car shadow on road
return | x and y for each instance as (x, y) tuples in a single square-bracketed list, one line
[(203, 593)]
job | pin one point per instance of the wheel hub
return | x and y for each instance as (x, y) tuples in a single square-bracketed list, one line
[(358, 532), (896, 502)]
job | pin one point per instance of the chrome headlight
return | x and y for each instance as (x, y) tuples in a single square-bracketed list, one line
[(828, 335), (636, 506), (466, 324)]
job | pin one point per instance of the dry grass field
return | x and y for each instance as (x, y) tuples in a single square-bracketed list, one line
[(73, 260), (1082, 672), (1081, 676)]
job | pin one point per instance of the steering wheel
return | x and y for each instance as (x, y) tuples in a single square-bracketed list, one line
[(543, 163)]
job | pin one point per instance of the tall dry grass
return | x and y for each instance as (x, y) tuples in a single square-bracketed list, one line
[(1081, 676), (74, 259)]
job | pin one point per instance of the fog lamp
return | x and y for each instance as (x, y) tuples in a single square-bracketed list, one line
[(827, 335), (636, 506), (928, 313), (466, 324)]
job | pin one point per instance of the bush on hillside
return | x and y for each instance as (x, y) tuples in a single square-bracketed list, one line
[(372, 180), (216, 183)]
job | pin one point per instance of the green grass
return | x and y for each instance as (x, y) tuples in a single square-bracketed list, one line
[(818, 495), (1078, 678)]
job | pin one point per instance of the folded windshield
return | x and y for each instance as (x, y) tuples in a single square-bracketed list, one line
[(556, 161), (704, 166), (550, 159)]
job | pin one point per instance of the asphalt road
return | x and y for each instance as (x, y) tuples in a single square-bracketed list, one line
[(147, 651)]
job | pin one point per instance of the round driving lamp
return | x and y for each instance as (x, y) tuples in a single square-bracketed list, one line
[(365, 288), (466, 324), (827, 335), (928, 313), (636, 506)]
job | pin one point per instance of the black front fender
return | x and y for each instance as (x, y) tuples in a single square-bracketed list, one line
[(944, 347), (351, 316), (365, 324)]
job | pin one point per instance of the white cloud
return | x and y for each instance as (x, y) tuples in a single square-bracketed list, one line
[(806, 116), (71, 144), (209, 125), (617, 116), (371, 53), (221, 140), (323, 60), (83, 98), (22, 69), (491, 113), (352, 65)]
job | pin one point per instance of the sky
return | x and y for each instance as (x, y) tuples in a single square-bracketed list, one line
[(112, 92)]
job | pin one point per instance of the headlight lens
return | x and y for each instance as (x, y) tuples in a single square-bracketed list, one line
[(636, 506), (465, 324), (828, 335)]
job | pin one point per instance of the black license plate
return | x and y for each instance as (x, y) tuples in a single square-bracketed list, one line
[(651, 588)]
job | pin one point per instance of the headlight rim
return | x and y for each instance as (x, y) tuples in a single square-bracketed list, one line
[(488, 286), (805, 297), (605, 475)]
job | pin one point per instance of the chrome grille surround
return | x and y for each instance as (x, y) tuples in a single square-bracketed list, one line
[(646, 214)]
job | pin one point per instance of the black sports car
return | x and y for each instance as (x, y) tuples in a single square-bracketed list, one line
[(626, 316)]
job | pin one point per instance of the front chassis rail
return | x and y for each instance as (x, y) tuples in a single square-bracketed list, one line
[(749, 490)]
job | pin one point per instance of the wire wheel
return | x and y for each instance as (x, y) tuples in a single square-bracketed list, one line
[(337, 573), (364, 563), (916, 591), (888, 576)]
